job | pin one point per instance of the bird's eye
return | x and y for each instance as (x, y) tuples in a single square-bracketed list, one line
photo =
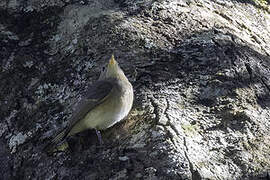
[(103, 68)]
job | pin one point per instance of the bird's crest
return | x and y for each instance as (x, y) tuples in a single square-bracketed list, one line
[(112, 60)]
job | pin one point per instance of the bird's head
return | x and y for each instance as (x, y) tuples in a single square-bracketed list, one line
[(112, 70)]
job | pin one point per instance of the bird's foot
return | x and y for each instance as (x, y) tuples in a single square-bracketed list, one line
[(101, 143)]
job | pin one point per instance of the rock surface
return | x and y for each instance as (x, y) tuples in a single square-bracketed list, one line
[(200, 71)]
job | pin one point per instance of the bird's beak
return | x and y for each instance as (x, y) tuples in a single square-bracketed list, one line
[(112, 60)]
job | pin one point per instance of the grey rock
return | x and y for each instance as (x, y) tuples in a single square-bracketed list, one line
[(123, 158), (3, 128), (200, 72), (16, 140)]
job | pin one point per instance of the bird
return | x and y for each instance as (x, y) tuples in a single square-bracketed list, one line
[(106, 102)]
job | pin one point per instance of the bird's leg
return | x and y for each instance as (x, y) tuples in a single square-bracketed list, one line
[(99, 137)]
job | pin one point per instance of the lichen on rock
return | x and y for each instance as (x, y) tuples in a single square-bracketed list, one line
[(200, 72)]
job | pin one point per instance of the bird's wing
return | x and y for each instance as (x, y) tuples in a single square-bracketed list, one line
[(96, 94)]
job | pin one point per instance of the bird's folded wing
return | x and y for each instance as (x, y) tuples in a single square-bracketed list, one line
[(95, 95)]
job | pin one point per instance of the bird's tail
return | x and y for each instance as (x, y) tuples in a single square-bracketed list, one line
[(50, 147)]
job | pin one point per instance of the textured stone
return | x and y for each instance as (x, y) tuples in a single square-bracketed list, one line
[(200, 71)]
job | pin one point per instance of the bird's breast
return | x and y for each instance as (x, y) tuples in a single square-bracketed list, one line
[(111, 111)]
